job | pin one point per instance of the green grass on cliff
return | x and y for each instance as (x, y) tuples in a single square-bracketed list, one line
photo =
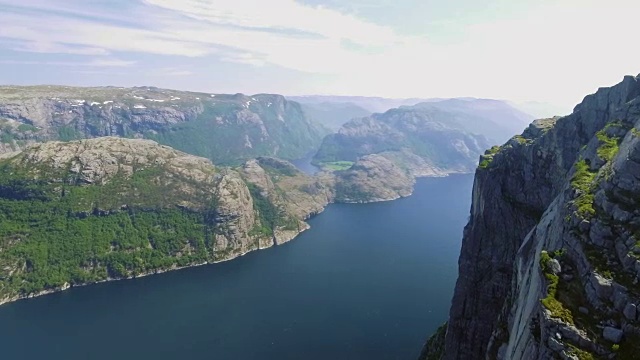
[(487, 158), (434, 348), (583, 182), (551, 302), (579, 353), (609, 146), (270, 215)]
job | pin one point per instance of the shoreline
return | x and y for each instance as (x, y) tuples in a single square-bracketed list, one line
[(68, 286)]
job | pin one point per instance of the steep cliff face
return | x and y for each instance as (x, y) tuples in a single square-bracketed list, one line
[(80, 212), (227, 129), (548, 261)]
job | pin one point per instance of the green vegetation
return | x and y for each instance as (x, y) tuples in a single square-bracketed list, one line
[(217, 134), (27, 127), (227, 129), (61, 227), (15, 134), (521, 140), (551, 302), (572, 296), (609, 146), (270, 216), (351, 192), (583, 182), (53, 234), (267, 212), (435, 344), (629, 348), (68, 133), (635, 132), (275, 167), (487, 158), (485, 163), (336, 165), (581, 354), (6, 138)]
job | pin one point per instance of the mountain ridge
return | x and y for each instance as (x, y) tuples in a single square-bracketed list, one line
[(225, 128)]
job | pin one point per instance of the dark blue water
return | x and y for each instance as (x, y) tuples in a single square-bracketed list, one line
[(366, 282)]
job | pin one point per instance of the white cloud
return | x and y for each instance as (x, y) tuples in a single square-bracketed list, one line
[(100, 62), (179, 73), (171, 71), (549, 51), (48, 47)]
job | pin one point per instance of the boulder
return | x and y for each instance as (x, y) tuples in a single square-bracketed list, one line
[(612, 334), (554, 266), (630, 311), (555, 345)]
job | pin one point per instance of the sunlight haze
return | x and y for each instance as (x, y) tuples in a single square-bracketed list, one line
[(546, 51)]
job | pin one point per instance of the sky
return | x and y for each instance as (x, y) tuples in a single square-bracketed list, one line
[(521, 50)]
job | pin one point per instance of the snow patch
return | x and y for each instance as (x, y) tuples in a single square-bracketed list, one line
[(107, 102), (94, 103), (139, 107)]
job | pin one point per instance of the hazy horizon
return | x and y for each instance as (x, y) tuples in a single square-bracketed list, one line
[(520, 51)]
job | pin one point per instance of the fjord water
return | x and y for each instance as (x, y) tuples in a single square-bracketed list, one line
[(304, 164), (368, 281)]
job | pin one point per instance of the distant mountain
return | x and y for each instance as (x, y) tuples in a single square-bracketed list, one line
[(495, 119), (372, 104), (541, 110), (445, 131), (334, 115), (429, 133), (378, 157), (227, 129)]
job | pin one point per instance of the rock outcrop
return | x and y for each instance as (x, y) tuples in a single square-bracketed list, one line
[(381, 177), (227, 129), (549, 261)]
